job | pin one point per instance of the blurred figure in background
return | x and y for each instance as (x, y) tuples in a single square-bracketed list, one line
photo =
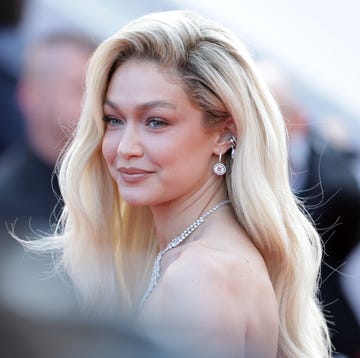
[(11, 44), (322, 179), (50, 94), (343, 138), (36, 309)]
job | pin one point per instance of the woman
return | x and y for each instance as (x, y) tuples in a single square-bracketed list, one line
[(180, 152)]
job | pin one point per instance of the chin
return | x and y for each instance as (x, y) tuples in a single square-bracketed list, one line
[(135, 202), (137, 199)]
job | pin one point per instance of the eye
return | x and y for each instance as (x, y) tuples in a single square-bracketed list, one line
[(113, 121), (156, 123)]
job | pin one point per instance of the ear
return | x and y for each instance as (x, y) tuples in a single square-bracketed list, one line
[(225, 133)]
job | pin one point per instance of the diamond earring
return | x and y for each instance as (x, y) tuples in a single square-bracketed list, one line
[(219, 168), (233, 145)]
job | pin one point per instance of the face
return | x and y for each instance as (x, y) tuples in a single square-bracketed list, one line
[(50, 95), (65, 86), (155, 144), (55, 93)]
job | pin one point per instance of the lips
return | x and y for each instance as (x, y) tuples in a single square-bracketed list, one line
[(132, 175)]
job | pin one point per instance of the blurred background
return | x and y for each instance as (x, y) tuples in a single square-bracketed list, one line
[(315, 42), (314, 45)]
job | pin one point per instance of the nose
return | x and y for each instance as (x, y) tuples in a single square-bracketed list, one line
[(130, 144)]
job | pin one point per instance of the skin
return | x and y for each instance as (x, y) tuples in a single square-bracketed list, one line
[(214, 286), (50, 96)]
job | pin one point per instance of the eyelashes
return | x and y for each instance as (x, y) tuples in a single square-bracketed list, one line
[(153, 122), (156, 123), (113, 121)]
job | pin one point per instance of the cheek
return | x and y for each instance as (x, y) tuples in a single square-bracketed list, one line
[(163, 153), (109, 148), (181, 157)]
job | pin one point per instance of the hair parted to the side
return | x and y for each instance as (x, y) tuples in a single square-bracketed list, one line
[(100, 235)]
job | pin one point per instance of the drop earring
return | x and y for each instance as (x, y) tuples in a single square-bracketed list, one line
[(219, 168), (233, 145)]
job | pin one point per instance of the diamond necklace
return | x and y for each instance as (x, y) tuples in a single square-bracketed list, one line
[(155, 276)]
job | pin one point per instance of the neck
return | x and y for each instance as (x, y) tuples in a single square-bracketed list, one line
[(174, 217)]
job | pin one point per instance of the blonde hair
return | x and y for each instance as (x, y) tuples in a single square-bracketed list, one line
[(100, 235)]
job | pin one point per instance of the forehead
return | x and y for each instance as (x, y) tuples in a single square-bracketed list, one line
[(145, 80), (147, 66)]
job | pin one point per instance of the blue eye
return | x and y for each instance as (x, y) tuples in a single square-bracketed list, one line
[(113, 121), (156, 123)]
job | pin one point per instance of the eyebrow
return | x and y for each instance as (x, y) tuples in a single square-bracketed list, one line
[(144, 106)]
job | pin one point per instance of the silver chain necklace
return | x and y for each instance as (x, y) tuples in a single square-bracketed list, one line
[(155, 276)]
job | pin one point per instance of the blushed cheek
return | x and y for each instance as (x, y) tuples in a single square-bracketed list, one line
[(108, 150)]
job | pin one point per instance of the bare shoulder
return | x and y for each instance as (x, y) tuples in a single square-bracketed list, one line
[(224, 292), (236, 279)]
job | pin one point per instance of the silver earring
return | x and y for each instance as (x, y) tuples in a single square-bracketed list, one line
[(233, 145), (219, 168)]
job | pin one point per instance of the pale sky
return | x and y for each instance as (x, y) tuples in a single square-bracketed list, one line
[(318, 40)]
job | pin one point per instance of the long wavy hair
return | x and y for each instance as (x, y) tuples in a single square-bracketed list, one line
[(108, 246)]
